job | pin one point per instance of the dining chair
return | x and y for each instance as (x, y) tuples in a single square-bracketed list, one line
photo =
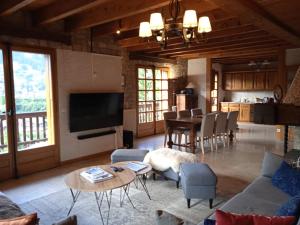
[(232, 124), (207, 130), (196, 112), (220, 128), (185, 114), (177, 132)]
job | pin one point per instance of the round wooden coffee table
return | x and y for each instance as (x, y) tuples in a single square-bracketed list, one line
[(140, 175), (78, 184)]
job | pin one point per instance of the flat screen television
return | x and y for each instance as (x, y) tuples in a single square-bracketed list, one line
[(95, 110)]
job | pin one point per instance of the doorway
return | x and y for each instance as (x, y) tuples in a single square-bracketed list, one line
[(28, 120)]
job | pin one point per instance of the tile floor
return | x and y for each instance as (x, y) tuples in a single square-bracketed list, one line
[(236, 166)]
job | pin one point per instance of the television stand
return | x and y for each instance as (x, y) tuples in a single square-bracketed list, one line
[(97, 134)]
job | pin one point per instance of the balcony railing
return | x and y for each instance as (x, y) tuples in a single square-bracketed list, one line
[(31, 127)]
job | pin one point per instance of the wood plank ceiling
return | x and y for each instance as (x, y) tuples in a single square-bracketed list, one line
[(242, 29)]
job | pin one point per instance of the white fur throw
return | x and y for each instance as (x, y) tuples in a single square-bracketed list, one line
[(165, 158)]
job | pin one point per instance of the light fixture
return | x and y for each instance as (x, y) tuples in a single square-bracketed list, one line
[(162, 29), (259, 64)]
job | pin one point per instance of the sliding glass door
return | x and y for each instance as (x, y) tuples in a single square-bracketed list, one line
[(31, 113)]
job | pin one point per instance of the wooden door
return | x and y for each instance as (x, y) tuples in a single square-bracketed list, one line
[(245, 113), (248, 81), (7, 151), (35, 109), (259, 80), (152, 100)]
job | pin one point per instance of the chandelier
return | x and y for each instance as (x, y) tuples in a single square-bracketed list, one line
[(161, 30)]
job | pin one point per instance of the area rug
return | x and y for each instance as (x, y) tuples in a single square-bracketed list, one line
[(164, 194)]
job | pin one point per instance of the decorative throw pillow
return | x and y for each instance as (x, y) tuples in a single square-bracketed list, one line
[(23, 220), (287, 179), (226, 218), (209, 222), (290, 208), (274, 220)]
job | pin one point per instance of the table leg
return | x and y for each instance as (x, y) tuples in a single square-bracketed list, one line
[(143, 182), (286, 138), (170, 142), (126, 193), (192, 139), (74, 200), (98, 198)]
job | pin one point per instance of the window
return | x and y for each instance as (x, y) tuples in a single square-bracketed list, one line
[(214, 92)]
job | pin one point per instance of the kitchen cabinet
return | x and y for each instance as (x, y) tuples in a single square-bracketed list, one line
[(259, 81), (245, 110), (271, 80), (249, 80)]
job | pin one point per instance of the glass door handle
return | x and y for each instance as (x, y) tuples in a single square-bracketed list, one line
[(9, 112)]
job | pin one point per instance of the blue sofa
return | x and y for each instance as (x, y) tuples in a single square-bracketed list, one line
[(260, 197)]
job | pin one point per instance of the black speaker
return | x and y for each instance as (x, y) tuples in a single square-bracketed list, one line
[(127, 138)]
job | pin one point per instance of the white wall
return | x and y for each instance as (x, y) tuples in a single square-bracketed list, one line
[(85, 72), (197, 75)]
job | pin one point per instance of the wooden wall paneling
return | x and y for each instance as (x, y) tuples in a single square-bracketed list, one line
[(237, 80), (259, 80), (271, 79)]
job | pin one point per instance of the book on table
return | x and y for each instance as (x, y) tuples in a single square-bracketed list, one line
[(96, 174), (136, 166)]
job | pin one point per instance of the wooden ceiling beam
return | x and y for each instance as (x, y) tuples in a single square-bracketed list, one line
[(223, 32), (243, 45), (149, 58), (133, 22), (214, 42), (20, 32), (217, 54), (10, 6), (61, 9), (110, 11), (251, 11)]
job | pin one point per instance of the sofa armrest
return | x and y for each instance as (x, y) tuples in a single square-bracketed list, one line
[(271, 163)]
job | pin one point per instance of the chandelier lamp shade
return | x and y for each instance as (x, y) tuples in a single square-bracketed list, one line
[(162, 29)]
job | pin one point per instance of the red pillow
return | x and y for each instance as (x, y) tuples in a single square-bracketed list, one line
[(274, 220), (226, 218)]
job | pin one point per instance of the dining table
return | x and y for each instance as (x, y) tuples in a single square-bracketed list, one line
[(191, 123)]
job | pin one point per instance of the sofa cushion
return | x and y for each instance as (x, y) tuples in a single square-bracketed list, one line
[(8, 209), (271, 163), (291, 207), (287, 179), (121, 155), (262, 188), (23, 220), (243, 203)]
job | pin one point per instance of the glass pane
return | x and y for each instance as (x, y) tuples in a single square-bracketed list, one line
[(149, 117), (149, 106), (149, 95), (216, 78), (141, 84), (158, 95), (141, 73), (216, 86), (158, 105), (157, 74), (33, 99), (165, 95), (158, 116), (142, 107), (149, 74), (142, 118), (165, 85), (149, 85), (158, 85), (3, 121), (165, 105), (164, 75), (142, 96)]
